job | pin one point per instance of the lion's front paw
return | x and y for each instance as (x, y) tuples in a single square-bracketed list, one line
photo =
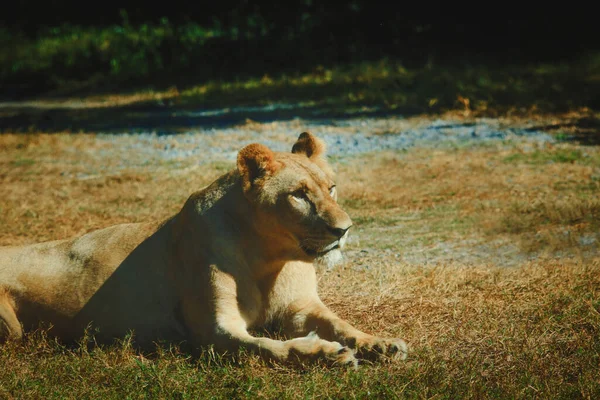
[(344, 357), (314, 348), (375, 348)]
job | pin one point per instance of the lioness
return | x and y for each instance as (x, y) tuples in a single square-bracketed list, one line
[(239, 255)]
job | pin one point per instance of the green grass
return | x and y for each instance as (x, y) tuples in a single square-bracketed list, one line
[(23, 162), (71, 52), (387, 83), (139, 56), (543, 157)]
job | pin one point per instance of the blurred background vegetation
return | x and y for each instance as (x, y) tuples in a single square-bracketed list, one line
[(417, 57)]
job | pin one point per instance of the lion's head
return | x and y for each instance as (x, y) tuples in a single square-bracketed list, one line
[(296, 197)]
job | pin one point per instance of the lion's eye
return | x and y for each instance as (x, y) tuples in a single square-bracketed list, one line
[(332, 191), (299, 195)]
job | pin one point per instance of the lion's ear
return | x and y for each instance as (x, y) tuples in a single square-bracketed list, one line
[(255, 161), (309, 145), (313, 148)]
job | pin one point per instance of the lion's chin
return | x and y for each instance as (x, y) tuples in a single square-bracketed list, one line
[(330, 259), (330, 255)]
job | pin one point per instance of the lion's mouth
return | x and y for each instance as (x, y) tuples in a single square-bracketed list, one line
[(320, 252)]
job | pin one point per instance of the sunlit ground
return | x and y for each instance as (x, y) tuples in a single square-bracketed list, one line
[(484, 258)]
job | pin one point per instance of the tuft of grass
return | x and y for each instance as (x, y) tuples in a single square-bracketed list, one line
[(529, 216), (543, 157), (23, 162)]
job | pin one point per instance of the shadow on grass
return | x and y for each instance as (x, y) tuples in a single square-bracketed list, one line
[(366, 89), (584, 130), (166, 119)]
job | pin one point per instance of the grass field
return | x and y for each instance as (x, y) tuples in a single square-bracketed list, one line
[(435, 229)]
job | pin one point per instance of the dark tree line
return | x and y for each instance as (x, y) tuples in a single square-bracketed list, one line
[(355, 28)]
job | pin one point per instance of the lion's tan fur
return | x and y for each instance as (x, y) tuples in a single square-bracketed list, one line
[(238, 256)]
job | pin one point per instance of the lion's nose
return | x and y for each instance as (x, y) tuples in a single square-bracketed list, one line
[(339, 232)]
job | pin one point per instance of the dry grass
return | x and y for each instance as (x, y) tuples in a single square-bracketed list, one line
[(477, 330), (488, 329), (492, 193), (53, 188), (475, 333)]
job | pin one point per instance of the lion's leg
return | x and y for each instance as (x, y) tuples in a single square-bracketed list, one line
[(10, 328), (297, 305), (227, 330), (312, 315), (232, 335)]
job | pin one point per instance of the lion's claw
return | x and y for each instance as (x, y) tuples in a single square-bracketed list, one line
[(377, 348)]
